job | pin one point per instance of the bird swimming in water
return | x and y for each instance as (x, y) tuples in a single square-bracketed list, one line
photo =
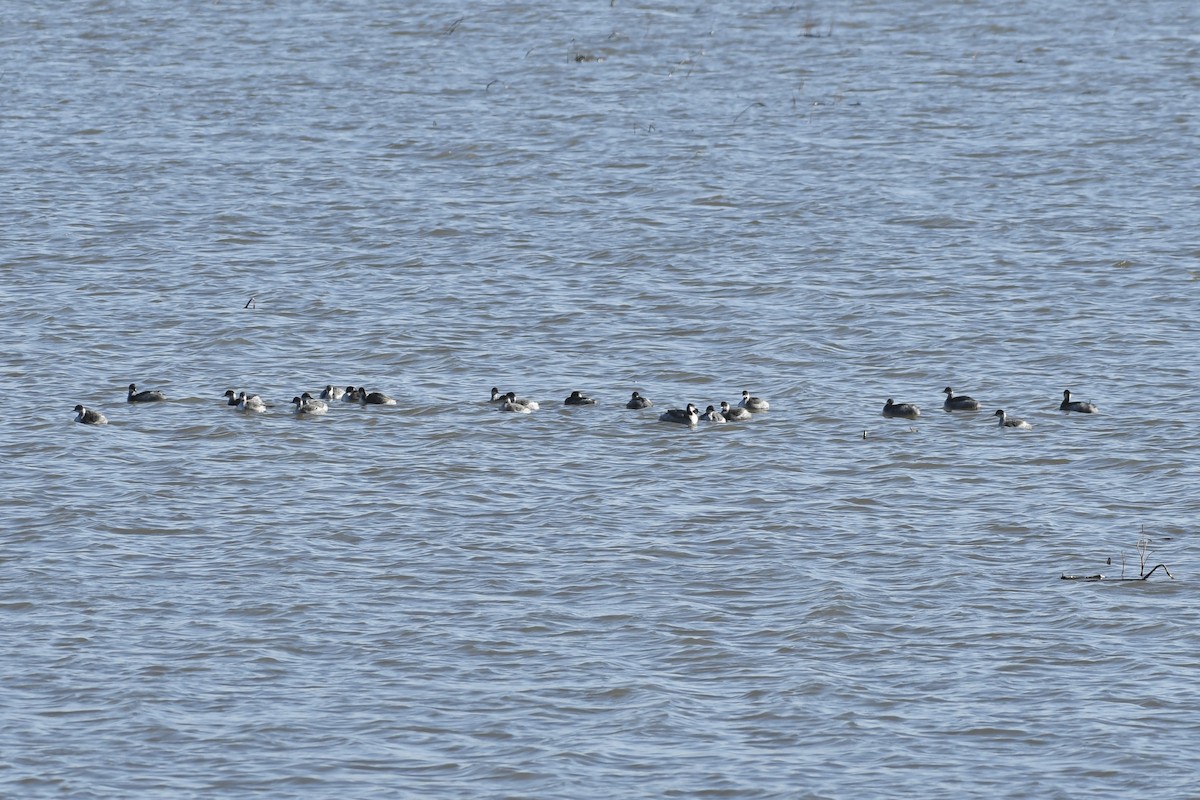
[(1076, 405), (331, 392), (251, 403), (734, 413), (147, 396), (960, 403), (754, 404), (374, 398), (688, 416), (712, 415), (516, 406), (306, 404), (511, 398), (88, 416), (895, 410), (241, 400), (1011, 422), (577, 398), (637, 401)]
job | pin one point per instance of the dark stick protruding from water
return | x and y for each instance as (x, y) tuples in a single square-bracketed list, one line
[(747, 108)]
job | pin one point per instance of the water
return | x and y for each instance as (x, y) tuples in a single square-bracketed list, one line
[(441, 600)]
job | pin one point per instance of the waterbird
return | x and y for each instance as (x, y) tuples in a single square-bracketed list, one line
[(895, 410), (688, 416), (306, 404), (511, 398), (374, 398), (960, 403), (734, 413), (1076, 405), (637, 401), (148, 396), (88, 416), (1011, 422), (515, 406), (251, 403), (331, 392), (577, 398), (753, 403), (712, 415)]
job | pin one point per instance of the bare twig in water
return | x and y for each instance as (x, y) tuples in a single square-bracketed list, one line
[(747, 108), (1164, 569), (250, 303), (489, 86), (1143, 548), (454, 25), (811, 29)]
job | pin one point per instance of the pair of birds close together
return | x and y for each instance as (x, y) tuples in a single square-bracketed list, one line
[(359, 395), (965, 403), (510, 402), (90, 416)]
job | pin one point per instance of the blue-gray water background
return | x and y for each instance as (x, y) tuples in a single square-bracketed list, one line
[(827, 204)]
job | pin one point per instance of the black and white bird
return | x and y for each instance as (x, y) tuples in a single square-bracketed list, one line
[(754, 404), (88, 416), (1076, 405), (1011, 422), (637, 401), (511, 399), (578, 398), (688, 416), (734, 413), (515, 406), (307, 405), (374, 398), (251, 402), (895, 410), (712, 415), (960, 403), (148, 396)]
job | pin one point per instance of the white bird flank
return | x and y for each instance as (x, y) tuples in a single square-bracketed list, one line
[(1011, 422)]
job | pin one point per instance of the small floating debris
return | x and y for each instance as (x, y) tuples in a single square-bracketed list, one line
[(1143, 548)]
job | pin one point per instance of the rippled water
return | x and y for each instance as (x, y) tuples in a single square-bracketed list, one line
[(828, 205)]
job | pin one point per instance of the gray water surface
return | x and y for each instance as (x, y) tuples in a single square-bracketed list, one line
[(827, 205)]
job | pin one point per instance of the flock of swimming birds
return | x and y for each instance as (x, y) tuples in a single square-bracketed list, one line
[(307, 405), (962, 402), (508, 401)]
